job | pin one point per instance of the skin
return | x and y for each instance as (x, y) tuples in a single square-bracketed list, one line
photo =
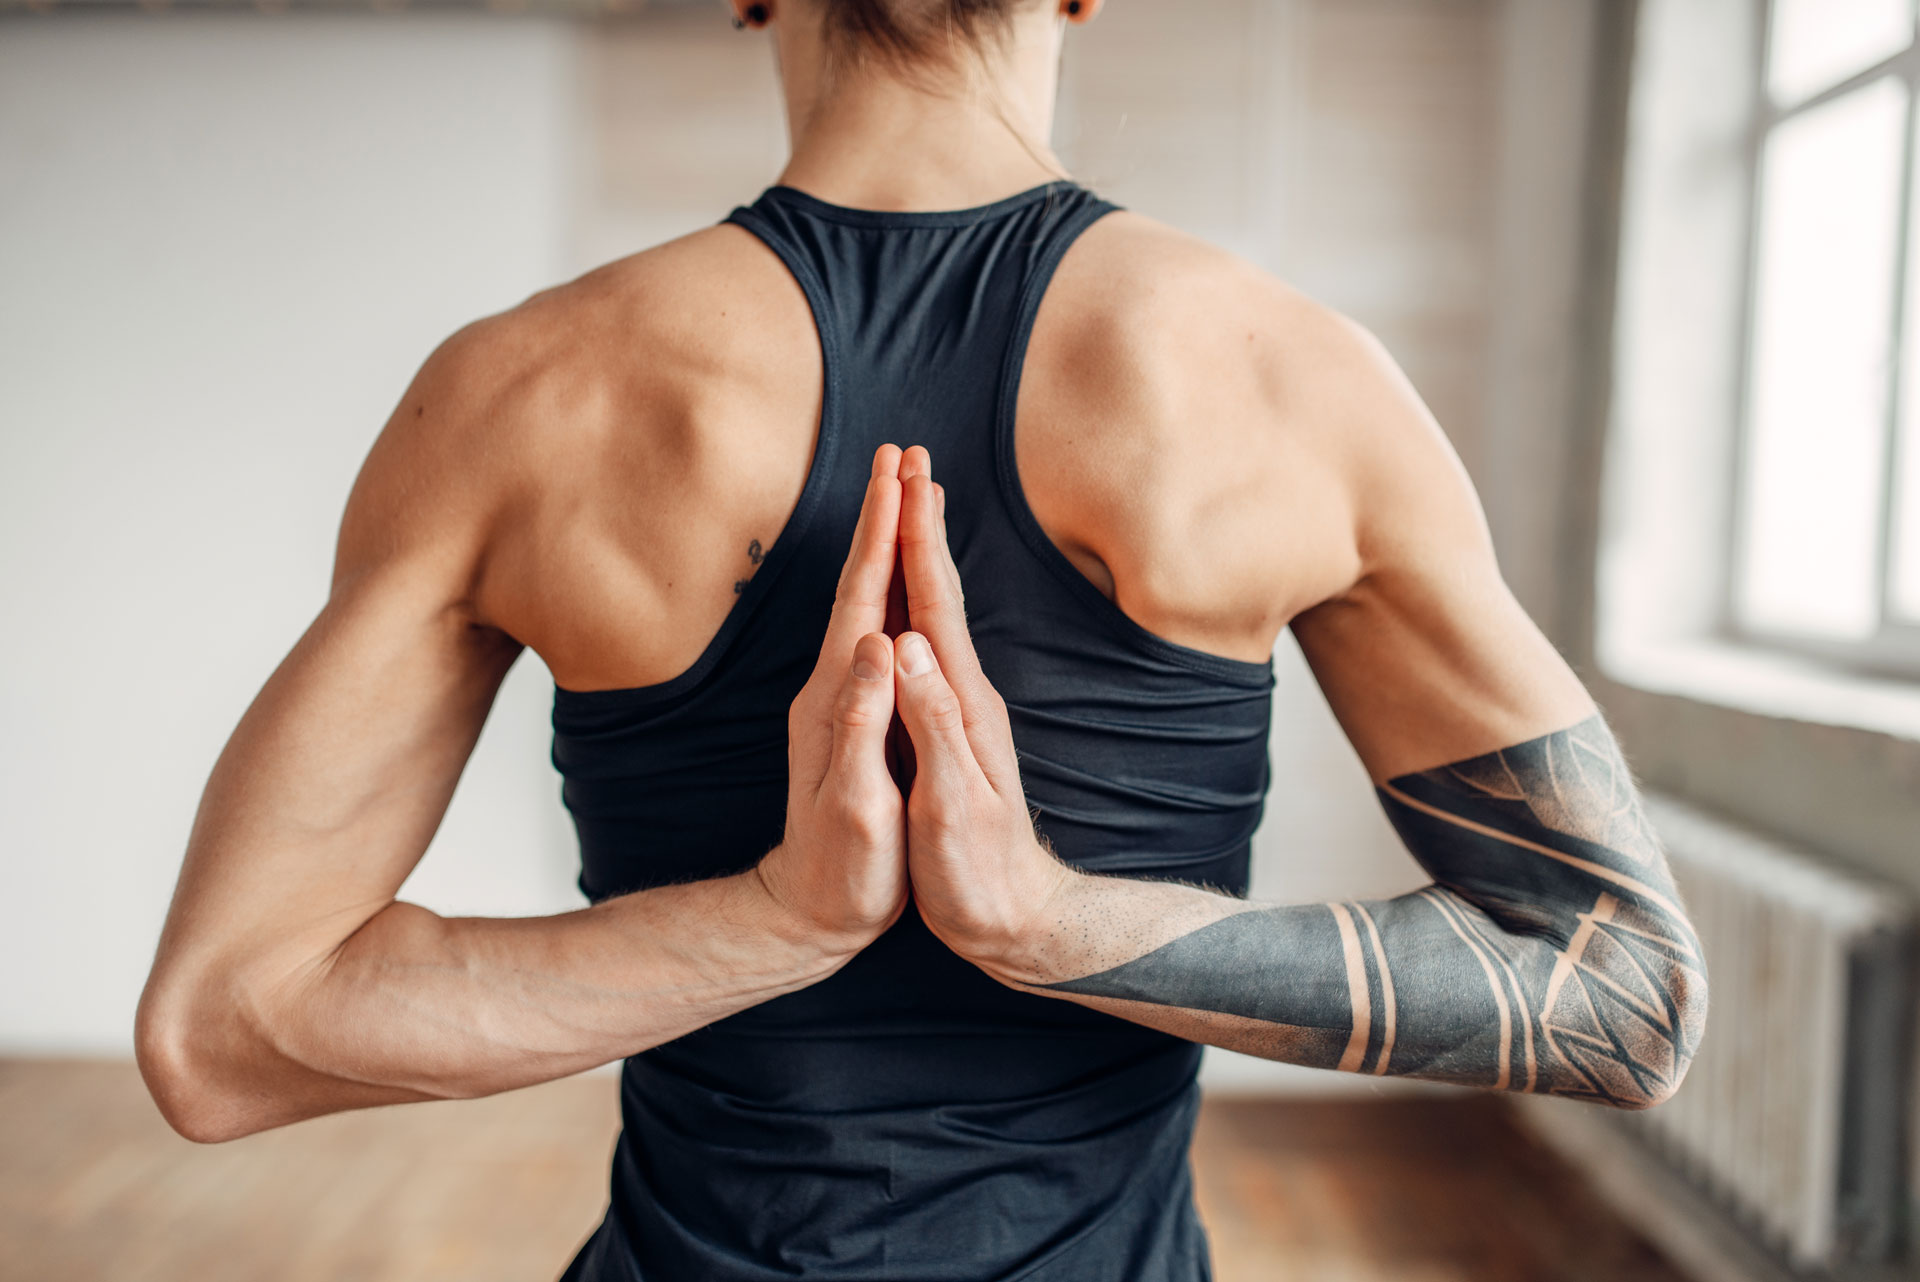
[(588, 475)]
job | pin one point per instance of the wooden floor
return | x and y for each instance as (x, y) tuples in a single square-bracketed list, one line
[(93, 1186), (1408, 1189)]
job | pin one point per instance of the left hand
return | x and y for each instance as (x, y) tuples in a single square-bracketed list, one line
[(980, 875)]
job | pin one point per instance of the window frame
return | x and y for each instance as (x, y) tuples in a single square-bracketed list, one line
[(1894, 647)]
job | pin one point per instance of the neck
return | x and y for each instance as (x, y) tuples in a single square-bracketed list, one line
[(871, 137)]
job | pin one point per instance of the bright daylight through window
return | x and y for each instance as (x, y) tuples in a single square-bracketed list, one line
[(1826, 538)]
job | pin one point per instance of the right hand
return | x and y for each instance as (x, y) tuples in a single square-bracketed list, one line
[(840, 871)]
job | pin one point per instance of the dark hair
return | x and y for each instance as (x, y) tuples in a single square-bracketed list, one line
[(912, 31)]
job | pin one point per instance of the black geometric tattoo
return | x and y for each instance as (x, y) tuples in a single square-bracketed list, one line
[(1551, 953)]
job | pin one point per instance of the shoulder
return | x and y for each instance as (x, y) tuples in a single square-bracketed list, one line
[(1195, 315), (1254, 372), (567, 361), (1250, 444), (519, 409)]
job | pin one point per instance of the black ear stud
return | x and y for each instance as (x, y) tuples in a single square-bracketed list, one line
[(757, 14), (1073, 8)]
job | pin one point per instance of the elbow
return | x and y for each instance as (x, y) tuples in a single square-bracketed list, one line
[(1685, 993), (1651, 1095), (167, 1046)]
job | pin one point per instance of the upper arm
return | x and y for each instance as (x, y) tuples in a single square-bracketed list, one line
[(336, 777), (1425, 657)]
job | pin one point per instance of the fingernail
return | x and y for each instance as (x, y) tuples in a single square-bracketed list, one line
[(916, 656), (863, 667)]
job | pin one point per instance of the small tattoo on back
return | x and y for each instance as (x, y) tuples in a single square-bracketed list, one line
[(755, 555)]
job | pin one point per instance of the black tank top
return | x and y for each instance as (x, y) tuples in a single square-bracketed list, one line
[(909, 1119)]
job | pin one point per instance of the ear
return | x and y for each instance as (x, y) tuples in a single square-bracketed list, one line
[(1080, 11), (754, 13)]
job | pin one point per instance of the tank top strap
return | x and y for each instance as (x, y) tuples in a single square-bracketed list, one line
[(920, 316)]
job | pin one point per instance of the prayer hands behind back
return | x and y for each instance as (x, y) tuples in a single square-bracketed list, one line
[(962, 833)]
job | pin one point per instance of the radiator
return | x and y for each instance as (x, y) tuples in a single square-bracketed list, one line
[(1794, 1116)]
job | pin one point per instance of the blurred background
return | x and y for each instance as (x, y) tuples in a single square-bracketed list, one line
[(1653, 265)]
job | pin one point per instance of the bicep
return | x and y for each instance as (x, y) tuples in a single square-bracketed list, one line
[(333, 783), (1426, 657)]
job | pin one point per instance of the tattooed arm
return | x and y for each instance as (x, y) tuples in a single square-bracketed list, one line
[(1550, 953)]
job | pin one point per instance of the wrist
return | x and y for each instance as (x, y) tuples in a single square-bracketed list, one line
[(1017, 954), (775, 913)]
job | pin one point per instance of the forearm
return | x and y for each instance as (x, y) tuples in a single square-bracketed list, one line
[(1425, 985), (415, 1006), (1551, 953)]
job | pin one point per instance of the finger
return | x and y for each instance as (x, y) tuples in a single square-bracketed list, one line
[(940, 509), (916, 460), (886, 463), (864, 710), (936, 605), (897, 620), (931, 712), (860, 600)]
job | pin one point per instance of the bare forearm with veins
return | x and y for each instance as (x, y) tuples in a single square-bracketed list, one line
[(1550, 954)]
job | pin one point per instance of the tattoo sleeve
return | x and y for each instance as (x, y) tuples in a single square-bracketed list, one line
[(1550, 953)]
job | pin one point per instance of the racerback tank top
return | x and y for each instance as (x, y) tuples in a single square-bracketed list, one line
[(909, 1119)]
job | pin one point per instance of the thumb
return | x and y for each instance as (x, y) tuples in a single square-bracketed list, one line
[(864, 709), (929, 708)]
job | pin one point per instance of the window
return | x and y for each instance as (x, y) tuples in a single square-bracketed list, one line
[(1825, 529)]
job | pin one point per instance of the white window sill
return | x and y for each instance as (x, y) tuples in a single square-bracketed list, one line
[(1767, 683)]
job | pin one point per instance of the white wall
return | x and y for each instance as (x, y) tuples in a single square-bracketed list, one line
[(225, 245)]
